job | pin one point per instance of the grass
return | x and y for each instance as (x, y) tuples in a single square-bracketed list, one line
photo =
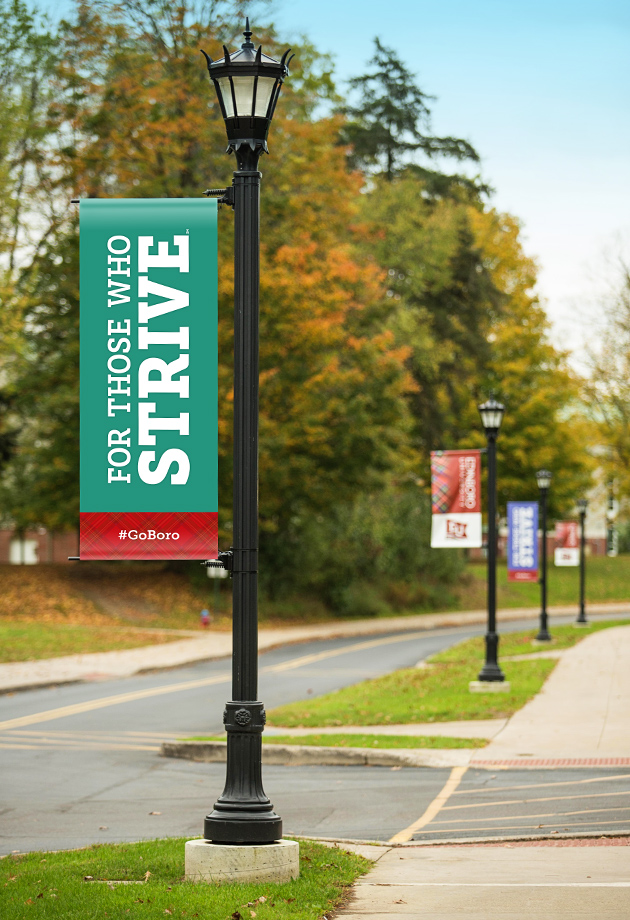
[(382, 742), (520, 643), (51, 885), (607, 580), (26, 641), (438, 693)]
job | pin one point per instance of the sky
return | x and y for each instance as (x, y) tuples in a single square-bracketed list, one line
[(541, 89)]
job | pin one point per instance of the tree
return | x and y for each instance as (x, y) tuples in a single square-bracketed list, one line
[(132, 102), (609, 386), (389, 123)]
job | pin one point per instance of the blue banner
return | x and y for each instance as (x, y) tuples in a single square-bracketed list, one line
[(522, 541)]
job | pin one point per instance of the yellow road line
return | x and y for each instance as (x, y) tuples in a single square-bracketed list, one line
[(549, 798), (438, 802), (564, 782), (91, 705), (549, 814), (333, 653), (102, 703)]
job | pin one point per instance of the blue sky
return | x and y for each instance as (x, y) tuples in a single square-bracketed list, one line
[(541, 90)]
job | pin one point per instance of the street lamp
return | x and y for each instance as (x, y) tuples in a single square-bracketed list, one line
[(248, 84), (491, 413), (544, 481), (582, 504)]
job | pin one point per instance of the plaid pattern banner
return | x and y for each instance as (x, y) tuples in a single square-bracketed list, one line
[(149, 535)]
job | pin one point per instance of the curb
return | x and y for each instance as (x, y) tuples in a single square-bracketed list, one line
[(301, 755), (466, 841)]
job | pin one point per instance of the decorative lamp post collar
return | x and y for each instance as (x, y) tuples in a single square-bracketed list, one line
[(491, 413), (543, 478), (248, 85)]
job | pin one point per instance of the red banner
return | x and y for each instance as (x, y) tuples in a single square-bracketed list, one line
[(455, 481), (147, 534)]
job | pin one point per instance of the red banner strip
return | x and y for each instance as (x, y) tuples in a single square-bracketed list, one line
[(148, 535)]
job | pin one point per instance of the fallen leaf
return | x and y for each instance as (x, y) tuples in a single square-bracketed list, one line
[(103, 827), (252, 913), (400, 901), (261, 899), (236, 916), (138, 901), (155, 812), (41, 894), (30, 901), (167, 911), (146, 875), (88, 878)]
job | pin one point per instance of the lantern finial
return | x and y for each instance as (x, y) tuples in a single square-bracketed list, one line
[(248, 34)]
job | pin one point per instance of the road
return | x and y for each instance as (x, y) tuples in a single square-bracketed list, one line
[(79, 763)]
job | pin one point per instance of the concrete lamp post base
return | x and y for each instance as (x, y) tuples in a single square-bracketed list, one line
[(489, 686), (221, 862)]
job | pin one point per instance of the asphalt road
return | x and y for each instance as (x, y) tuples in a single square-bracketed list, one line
[(79, 763)]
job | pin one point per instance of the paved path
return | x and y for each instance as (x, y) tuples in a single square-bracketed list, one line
[(581, 714), (213, 645), (494, 883)]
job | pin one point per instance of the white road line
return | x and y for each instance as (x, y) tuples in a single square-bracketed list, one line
[(550, 798), (563, 782), (549, 814)]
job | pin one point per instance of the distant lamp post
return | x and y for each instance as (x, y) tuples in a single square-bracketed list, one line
[(582, 504), (543, 478), (491, 413), (248, 84)]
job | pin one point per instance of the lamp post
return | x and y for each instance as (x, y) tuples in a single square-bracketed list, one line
[(544, 481), (248, 85), (491, 413), (582, 504)]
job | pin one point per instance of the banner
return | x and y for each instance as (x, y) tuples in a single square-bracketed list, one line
[(148, 379), (455, 498), (522, 541), (567, 550)]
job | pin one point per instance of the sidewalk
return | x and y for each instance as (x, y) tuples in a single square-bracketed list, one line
[(509, 882), (580, 717), (110, 665)]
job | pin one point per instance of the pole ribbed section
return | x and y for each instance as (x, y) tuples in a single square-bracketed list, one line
[(243, 813), (491, 669)]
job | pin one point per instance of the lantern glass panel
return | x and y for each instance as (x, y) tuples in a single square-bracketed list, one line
[(544, 479), (226, 95), (244, 93), (491, 418), (263, 95)]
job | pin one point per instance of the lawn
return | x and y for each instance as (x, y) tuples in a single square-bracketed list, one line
[(57, 885), (381, 742), (438, 693), (28, 641), (607, 579)]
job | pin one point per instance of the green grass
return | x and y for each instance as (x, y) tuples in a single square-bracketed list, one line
[(28, 641), (520, 643), (51, 885), (438, 693), (382, 742), (607, 580)]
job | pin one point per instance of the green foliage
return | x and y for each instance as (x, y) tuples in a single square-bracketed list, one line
[(371, 556), (386, 126), (53, 885)]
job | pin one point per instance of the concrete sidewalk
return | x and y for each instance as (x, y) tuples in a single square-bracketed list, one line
[(580, 717), (210, 645), (508, 882)]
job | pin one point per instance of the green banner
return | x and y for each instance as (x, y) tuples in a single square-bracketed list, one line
[(148, 378)]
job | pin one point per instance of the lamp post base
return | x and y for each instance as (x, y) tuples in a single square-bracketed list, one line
[(242, 828), (219, 863), (491, 673), (543, 636)]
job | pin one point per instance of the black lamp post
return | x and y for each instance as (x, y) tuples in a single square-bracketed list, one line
[(582, 504), (544, 481), (248, 84), (491, 417)]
